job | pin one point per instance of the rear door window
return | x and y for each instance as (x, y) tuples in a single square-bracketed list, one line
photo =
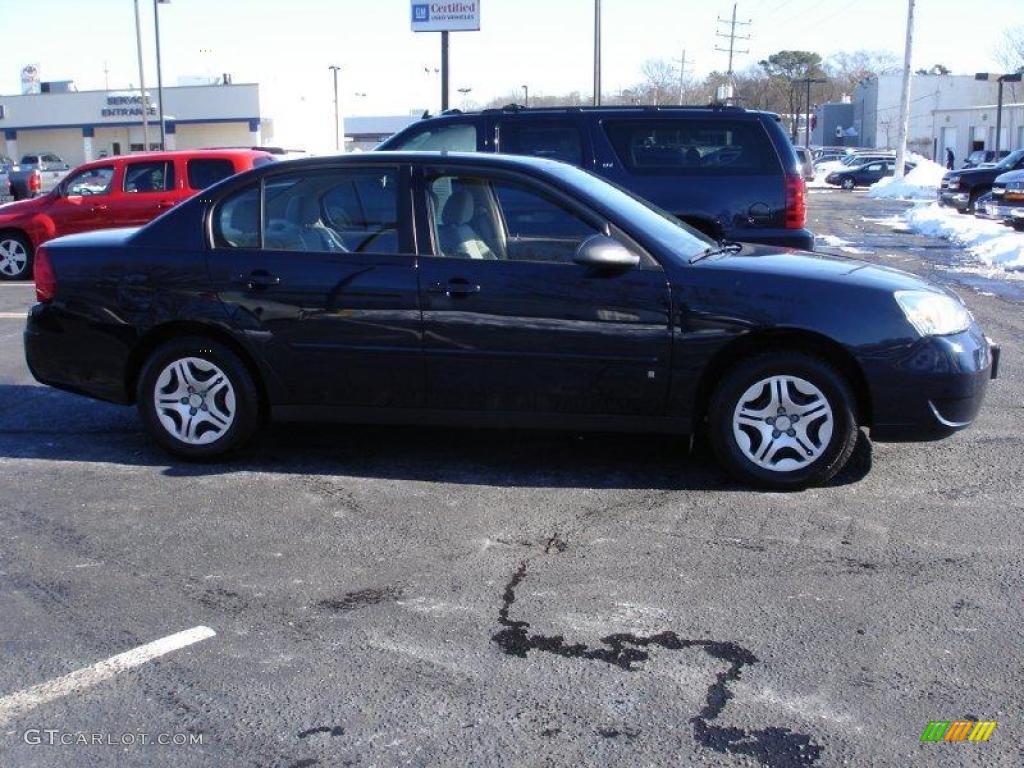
[(554, 139), (236, 223), (693, 146), (148, 177), (205, 172)]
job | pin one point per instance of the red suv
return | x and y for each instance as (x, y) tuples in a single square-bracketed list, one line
[(124, 191)]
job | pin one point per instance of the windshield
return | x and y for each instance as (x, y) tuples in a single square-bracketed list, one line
[(1011, 160), (655, 223)]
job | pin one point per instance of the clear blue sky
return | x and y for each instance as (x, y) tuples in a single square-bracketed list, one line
[(286, 45)]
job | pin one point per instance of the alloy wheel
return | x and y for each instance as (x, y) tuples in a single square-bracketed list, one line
[(13, 257), (783, 423), (194, 401)]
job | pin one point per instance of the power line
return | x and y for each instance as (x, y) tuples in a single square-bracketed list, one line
[(731, 35)]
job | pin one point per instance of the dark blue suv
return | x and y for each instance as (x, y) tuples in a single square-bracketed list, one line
[(732, 173)]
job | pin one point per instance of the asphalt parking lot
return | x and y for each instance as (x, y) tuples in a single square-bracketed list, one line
[(394, 596)]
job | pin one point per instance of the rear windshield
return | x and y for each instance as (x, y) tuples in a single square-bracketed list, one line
[(208, 171), (693, 147)]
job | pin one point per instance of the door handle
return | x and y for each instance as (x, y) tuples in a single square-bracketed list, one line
[(165, 204), (261, 279), (98, 208), (457, 286)]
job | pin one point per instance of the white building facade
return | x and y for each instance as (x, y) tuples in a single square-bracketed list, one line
[(84, 125), (876, 108), (972, 128)]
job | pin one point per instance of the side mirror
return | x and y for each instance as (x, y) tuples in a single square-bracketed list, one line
[(602, 251)]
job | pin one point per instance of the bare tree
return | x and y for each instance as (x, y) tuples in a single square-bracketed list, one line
[(1011, 51), (660, 81)]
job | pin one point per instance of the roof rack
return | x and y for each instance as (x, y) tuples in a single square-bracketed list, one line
[(624, 107)]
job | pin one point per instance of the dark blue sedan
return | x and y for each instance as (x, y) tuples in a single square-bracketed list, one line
[(496, 291)]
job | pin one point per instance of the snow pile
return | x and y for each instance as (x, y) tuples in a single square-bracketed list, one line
[(922, 183), (991, 242)]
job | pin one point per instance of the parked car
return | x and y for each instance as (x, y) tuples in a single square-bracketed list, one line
[(865, 175), (127, 190), (984, 158), (495, 290), (727, 171), (806, 162), (1006, 200), (829, 154), (961, 189), (5, 182), (37, 174)]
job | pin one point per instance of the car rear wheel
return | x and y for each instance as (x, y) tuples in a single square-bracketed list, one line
[(783, 420), (197, 398), (849, 184), (15, 257)]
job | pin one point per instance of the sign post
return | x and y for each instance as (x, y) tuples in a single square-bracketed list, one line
[(444, 17)]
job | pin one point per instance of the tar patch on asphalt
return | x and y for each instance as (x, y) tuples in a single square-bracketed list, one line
[(772, 746)]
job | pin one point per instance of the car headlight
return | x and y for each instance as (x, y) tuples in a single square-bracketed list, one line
[(934, 314), (953, 182)]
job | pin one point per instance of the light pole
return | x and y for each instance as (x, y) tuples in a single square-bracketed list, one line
[(807, 126), (526, 95), (1015, 77), (142, 83), (159, 73), (337, 120), (597, 53)]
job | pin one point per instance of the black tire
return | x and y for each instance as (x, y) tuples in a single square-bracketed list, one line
[(848, 184), (746, 374), (1018, 225), (25, 272), (246, 398)]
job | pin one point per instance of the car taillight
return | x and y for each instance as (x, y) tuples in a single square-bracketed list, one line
[(35, 181), (796, 202), (46, 281)]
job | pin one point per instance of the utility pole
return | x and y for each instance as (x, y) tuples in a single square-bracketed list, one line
[(682, 75), (337, 123), (159, 73), (904, 124), (597, 53), (733, 37), (142, 84), (526, 95)]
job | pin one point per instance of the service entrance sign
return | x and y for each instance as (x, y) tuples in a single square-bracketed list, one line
[(447, 16)]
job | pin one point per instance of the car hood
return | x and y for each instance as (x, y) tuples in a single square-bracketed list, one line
[(1010, 176), (805, 266), (23, 207), (975, 174)]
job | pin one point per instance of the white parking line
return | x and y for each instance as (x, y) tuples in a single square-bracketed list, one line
[(13, 315), (17, 704)]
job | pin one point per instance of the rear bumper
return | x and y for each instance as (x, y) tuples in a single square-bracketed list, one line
[(801, 239), (63, 352), (933, 389)]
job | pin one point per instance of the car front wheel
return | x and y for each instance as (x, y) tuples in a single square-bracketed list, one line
[(783, 420), (197, 398), (15, 257), (848, 184)]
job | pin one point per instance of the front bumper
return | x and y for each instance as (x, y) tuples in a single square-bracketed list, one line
[(933, 388), (958, 200), (1003, 211)]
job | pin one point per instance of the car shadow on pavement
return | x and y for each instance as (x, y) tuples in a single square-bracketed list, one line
[(65, 427)]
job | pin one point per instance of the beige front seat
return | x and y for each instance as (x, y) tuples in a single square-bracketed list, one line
[(458, 238)]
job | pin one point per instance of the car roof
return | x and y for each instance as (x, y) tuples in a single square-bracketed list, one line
[(173, 153), (486, 159)]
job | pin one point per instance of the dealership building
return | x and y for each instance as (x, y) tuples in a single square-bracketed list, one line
[(85, 125)]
